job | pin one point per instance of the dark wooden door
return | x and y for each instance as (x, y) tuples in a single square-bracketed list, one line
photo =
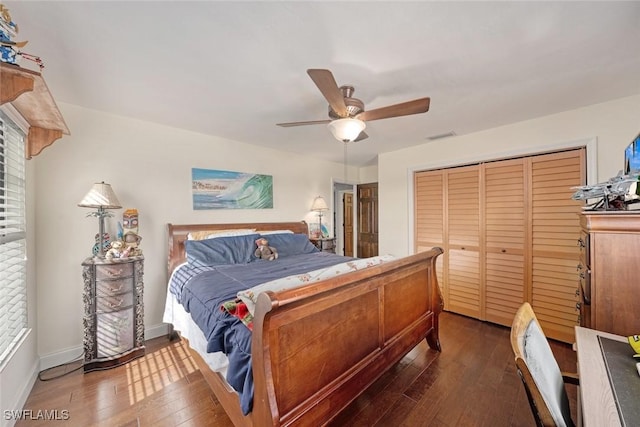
[(367, 220), (347, 214)]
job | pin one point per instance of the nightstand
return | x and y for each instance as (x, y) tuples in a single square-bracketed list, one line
[(326, 244), (113, 312)]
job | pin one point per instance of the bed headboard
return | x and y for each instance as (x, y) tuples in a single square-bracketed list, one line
[(178, 234)]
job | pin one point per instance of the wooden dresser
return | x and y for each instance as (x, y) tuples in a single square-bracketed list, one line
[(113, 312), (609, 271)]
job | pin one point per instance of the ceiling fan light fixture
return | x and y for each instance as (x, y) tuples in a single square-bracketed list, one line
[(347, 129)]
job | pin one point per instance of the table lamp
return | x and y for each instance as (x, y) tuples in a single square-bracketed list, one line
[(102, 197), (319, 205)]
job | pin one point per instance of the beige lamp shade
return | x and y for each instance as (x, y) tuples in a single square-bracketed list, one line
[(346, 130), (100, 196), (319, 204)]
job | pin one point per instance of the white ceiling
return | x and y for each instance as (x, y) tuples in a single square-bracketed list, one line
[(235, 69)]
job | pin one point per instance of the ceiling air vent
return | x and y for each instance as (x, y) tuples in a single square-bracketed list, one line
[(440, 136)]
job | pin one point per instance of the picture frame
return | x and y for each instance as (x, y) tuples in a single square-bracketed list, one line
[(220, 189)]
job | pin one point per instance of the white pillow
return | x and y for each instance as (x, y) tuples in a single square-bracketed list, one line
[(265, 233), (212, 234)]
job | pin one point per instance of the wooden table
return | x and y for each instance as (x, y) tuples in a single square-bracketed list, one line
[(597, 405)]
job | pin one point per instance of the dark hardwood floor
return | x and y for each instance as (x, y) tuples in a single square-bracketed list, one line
[(473, 382)]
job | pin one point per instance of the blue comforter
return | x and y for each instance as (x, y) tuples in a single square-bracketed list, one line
[(203, 290)]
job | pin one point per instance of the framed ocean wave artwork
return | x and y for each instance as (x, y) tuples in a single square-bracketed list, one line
[(218, 189)]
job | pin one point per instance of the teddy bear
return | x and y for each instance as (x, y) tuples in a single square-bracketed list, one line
[(115, 250), (264, 251)]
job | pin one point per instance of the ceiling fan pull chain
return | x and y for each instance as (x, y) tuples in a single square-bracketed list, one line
[(345, 162)]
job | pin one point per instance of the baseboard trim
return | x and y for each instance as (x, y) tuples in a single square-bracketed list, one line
[(74, 353), (156, 331)]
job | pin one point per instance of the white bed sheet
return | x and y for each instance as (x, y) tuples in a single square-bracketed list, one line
[(182, 322)]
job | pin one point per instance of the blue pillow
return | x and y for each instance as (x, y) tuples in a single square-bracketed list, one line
[(288, 244), (221, 250)]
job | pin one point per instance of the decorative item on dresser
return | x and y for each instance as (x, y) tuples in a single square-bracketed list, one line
[(113, 312), (608, 271), (130, 235), (327, 244)]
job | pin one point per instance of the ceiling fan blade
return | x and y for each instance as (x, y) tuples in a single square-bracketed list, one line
[(363, 135), (330, 90), (311, 122), (403, 109)]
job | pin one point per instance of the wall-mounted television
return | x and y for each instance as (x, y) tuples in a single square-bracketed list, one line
[(632, 156)]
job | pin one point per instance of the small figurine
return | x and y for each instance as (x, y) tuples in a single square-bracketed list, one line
[(611, 194), (130, 221), (265, 251), (130, 235), (128, 250), (115, 250), (105, 243), (8, 30), (120, 232)]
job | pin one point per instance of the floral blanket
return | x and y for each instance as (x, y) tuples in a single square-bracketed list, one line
[(243, 307)]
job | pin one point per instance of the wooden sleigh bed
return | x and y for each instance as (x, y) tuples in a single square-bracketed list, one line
[(316, 348)]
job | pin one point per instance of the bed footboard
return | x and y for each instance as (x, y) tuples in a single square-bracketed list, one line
[(318, 347)]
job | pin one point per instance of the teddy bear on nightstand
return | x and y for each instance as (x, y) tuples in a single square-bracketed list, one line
[(115, 250), (264, 251)]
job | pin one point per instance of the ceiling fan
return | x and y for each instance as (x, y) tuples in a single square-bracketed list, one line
[(347, 114)]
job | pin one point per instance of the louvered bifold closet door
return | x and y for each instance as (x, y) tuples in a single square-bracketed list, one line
[(505, 237), (463, 228), (429, 217), (555, 228)]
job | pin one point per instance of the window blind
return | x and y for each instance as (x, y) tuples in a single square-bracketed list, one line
[(13, 287)]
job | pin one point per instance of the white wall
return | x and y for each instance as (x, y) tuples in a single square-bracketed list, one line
[(149, 168), (614, 124), (368, 174)]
